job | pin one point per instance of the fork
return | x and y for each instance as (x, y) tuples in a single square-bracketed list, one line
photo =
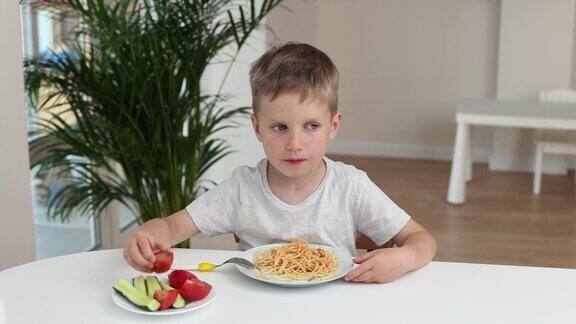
[(207, 266)]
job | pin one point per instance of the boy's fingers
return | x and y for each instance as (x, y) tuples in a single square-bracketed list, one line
[(364, 257), (137, 257), (146, 250), (131, 262), (367, 276), (136, 266), (364, 267), (158, 245)]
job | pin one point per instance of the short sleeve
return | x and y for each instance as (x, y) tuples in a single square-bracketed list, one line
[(214, 212), (377, 216)]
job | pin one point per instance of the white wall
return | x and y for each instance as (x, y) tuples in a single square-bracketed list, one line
[(16, 222), (295, 21), (247, 149), (404, 66), (535, 50), (535, 53)]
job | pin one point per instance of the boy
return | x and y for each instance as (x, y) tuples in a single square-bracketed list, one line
[(296, 192)]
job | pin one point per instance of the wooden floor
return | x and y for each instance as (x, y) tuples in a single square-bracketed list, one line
[(501, 222)]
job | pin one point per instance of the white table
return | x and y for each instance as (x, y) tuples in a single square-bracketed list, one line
[(500, 113), (77, 289)]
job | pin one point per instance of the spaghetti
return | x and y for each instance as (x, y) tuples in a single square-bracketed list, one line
[(296, 261)]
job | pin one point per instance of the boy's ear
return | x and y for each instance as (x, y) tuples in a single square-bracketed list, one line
[(256, 126), (335, 125)]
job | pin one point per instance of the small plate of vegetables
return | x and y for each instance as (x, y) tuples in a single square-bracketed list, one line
[(178, 292)]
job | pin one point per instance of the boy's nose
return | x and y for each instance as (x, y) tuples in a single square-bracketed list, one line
[(294, 143)]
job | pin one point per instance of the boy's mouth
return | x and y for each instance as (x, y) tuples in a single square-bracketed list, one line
[(295, 161)]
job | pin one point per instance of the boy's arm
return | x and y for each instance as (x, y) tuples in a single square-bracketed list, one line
[(156, 235), (416, 248), (418, 244), (172, 229)]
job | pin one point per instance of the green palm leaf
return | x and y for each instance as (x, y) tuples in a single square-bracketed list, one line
[(123, 115)]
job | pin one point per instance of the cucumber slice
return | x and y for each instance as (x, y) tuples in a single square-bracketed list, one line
[(140, 284), (152, 284), (180, 302), (126, 290)]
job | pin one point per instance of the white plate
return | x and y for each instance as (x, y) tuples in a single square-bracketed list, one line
[(344, 265), (127, 305)]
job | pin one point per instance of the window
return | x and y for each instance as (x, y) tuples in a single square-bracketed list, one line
[(81, 232)]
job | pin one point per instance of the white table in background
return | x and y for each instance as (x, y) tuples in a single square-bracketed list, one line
[(500, 113), (77, 289)]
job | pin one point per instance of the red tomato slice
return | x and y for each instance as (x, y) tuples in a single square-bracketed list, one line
[(166, 298), (177, 277), (163, 261), (194, 289)]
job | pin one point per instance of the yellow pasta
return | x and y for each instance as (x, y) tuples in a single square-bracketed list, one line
[(296, 261)]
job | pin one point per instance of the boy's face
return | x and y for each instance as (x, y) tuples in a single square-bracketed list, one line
[(295, 134)]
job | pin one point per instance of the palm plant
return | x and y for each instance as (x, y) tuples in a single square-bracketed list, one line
[(125, 118)]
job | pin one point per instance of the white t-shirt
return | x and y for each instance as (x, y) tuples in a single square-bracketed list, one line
[(345, 203)]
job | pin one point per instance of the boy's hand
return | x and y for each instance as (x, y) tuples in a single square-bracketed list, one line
[(140, 248), (381, 266)]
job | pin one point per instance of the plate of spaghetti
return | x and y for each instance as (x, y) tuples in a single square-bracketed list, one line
[(297, 264)]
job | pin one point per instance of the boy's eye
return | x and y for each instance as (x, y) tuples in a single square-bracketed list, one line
[(312, 126), (279, 127)]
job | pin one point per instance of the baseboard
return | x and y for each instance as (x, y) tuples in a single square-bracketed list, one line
[(417, 152), (552, 165)]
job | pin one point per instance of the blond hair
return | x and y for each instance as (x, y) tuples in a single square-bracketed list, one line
[(298, 68)]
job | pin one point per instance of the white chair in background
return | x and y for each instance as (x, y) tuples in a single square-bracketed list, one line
[(550, 142)]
